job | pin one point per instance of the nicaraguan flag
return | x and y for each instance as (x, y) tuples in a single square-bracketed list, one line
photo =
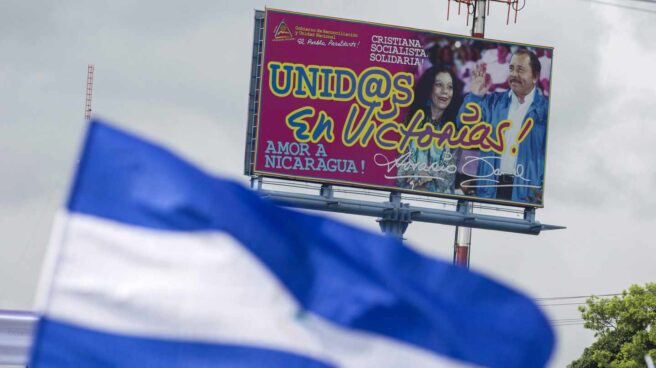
[(162, 265)]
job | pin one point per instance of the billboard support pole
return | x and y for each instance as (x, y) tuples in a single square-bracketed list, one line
[(529, 214), (462, 242), (397, 214), (396, 217), (256, 182), (327, 191), (478, 24)]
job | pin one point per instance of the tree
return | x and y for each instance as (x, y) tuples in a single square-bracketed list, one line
[(625, 328)]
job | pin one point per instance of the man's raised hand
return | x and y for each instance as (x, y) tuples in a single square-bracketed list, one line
[(479, 84)]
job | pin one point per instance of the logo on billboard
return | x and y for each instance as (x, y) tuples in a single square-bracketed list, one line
[(282, 32)]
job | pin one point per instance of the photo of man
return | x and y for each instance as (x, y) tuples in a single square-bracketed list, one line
[(513, 175)]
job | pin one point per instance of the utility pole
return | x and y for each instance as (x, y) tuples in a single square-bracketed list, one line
[(462, 242), (89, 95), (478, 24)]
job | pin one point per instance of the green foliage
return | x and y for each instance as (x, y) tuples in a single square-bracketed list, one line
[(625, 328)]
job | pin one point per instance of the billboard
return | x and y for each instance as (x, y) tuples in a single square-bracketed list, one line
[(393, 108)]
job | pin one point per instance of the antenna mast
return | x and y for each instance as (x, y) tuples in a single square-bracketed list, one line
[(89, 96), (481, 8)]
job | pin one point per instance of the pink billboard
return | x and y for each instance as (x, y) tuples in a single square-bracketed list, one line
[(392, 108)]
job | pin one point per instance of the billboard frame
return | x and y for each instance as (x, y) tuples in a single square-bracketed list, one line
[(254, 115), (254, 92)]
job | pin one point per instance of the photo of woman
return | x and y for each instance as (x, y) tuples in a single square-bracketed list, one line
[(438, 93)]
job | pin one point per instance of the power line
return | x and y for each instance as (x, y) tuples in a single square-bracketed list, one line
[(559, 304), (644, 1), (568, 324), (626, 6), (575, 297), (570, 321)]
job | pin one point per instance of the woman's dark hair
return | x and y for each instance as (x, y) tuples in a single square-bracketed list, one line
[(424, 89)]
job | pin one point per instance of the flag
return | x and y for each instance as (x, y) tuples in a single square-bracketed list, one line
[(162, 265)]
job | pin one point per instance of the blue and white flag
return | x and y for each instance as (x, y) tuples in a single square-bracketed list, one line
[(162, 265)]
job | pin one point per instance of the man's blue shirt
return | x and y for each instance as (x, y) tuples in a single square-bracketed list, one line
[(531, 155)]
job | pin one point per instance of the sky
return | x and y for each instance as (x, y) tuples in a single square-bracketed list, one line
[(178, 73)]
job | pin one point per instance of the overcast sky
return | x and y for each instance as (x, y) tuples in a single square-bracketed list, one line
[(178, 72)]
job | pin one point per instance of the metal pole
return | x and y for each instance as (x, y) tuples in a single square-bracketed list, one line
[(406, 214), (462, 242), (256, 182), (16, 330), (89, 95), (478, 25), (396, 217)]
